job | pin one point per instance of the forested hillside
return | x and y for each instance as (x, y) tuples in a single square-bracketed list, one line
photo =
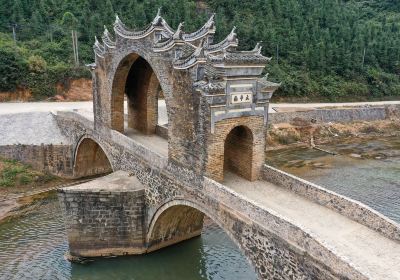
[(321, 49)]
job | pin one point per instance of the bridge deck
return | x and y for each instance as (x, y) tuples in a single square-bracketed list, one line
[(373, 254), (153, 142)]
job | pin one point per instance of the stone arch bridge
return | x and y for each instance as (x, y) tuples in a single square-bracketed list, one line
[(166, 177)]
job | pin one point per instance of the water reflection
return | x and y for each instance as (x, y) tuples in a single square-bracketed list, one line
[(32, 247)]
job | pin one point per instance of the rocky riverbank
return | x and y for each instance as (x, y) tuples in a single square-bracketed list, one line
[(303, 133)]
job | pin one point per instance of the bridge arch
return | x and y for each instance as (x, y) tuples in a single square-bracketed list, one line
[(178, 220), (137, 78), (90, 159)]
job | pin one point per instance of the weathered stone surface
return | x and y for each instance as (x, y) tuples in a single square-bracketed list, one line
[(204, 85), (105, 216), (55, 159), (344, 115), (265, 238)]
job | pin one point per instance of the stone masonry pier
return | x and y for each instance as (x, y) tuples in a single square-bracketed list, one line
[(105, 216)]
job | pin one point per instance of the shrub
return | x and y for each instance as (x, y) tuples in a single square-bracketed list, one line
[(13, 69), (37, 64), (25, 179)]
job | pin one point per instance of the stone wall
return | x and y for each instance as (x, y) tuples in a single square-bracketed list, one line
[(344, 115), (102, 222), (55, 159), (162, 131), (174, 225), (343, 205)]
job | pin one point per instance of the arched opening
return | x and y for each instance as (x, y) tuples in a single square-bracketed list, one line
[(238, 152), (136, 83), (178, 220), (176, 224), (90, 160), (141, 89)]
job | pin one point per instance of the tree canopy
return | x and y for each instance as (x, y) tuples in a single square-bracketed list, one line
[(327, 49)]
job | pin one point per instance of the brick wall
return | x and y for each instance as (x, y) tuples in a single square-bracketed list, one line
[(244, 151)]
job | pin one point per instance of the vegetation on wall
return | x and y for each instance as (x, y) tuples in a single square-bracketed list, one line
[(328, 49), (17, 174)]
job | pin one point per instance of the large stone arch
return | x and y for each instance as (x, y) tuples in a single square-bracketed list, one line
[(140, 76), (181, 219), (90, 159)]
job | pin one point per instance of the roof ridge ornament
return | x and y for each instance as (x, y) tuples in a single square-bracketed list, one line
[(258, 47), (207, 29), (210, 22), (232, 36), (179, 32), (118, 21), (98, 48), (198, 56), (157, 18), (107, 38), (97, 43)]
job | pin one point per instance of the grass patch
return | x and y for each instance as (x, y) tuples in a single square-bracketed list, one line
[(14, 174)]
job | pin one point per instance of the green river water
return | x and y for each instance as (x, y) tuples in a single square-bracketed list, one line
[(33, 246)]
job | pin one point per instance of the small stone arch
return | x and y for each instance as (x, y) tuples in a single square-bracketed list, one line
[(238, 146), (137, 78), (90, 159), (238, 151)]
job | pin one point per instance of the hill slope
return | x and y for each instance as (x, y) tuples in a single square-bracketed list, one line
[(328, 49)]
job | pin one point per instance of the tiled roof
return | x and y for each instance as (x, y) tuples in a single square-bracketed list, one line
[(239, 58), (211, 87)]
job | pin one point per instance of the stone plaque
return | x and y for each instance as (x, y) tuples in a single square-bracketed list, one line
[(241, 98)]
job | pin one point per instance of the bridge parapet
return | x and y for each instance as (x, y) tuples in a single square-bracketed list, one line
[(345, 206)]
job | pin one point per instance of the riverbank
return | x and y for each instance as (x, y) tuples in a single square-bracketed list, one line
[(302, 133), (22, 203), (21, 186)]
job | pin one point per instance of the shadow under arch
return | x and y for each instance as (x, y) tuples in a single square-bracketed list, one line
[(137, 79), (238, 152), (178, 220), (90, 159)]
